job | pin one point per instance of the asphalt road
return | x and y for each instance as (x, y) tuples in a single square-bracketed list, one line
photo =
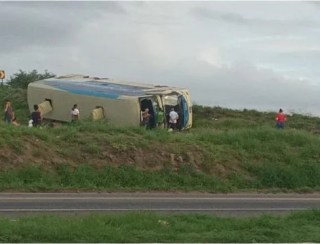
[(218, 204)]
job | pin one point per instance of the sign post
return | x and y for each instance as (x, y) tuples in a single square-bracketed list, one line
[(2, 76)]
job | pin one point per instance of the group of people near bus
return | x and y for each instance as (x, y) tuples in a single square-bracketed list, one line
[(10, 117), (174, 118), (160, 119), (35, 116)]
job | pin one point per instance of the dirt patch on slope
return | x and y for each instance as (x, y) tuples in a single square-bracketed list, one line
[(37, 152), (156, 156)]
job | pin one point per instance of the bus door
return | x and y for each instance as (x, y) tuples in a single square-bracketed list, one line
[(147, 102), (177, 100)]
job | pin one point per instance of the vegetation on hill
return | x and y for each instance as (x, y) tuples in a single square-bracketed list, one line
[(226, 150), (22, 78), (138, 227)]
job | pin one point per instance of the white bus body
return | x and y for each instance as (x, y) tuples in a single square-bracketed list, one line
[(121, 102)]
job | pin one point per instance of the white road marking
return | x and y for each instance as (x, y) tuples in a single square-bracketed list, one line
[(147, 209)]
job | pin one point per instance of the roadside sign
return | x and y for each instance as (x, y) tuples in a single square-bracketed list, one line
[(2, 74)]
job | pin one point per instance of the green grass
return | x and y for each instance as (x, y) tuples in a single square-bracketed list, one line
[(149, 227), (233, 159), (34, 178), (128, 178), (226, 150)]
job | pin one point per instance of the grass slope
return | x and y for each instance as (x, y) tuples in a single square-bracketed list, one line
[(226, 150), (155, 228)]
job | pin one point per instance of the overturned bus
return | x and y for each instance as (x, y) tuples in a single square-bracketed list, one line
[(118, 102)]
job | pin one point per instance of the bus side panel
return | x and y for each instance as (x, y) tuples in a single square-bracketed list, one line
[(123, 112)]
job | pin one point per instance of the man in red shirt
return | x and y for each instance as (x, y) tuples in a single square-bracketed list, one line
[(280, 118)]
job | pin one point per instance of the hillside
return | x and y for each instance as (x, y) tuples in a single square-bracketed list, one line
[(226, 150)]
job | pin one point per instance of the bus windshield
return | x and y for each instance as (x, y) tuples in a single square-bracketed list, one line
[(171, 100)]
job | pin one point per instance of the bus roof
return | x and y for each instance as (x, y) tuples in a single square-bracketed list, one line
[(103, 87)]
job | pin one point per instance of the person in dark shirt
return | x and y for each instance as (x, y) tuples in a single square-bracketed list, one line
[(146, 118), (36, 116)]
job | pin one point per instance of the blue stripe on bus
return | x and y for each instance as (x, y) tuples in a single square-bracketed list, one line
[(90, 93), (108, 90)]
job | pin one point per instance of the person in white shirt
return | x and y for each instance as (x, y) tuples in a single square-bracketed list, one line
[(75, 113), (173, 119)]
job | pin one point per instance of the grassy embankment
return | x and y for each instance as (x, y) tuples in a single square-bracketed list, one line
[(148, 227), (239, 151), (225, 151)]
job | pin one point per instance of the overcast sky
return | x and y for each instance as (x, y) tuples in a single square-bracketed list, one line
[(254, 55)]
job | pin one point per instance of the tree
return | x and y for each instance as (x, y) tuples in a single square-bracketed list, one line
[(22, 78)]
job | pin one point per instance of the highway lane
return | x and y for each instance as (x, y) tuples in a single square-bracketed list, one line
[(218, 204)]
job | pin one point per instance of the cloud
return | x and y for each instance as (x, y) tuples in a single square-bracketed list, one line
[(26, 24), (247, 55), (243, 85), (287, 45), (202, 13), (210, 56), (314, 3), (71, 7)]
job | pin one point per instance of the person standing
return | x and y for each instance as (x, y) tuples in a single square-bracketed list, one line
[(75, 113), (146, 118), (173, 119), (280, 119), (8, 112), (36, 116), (160, 118)]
